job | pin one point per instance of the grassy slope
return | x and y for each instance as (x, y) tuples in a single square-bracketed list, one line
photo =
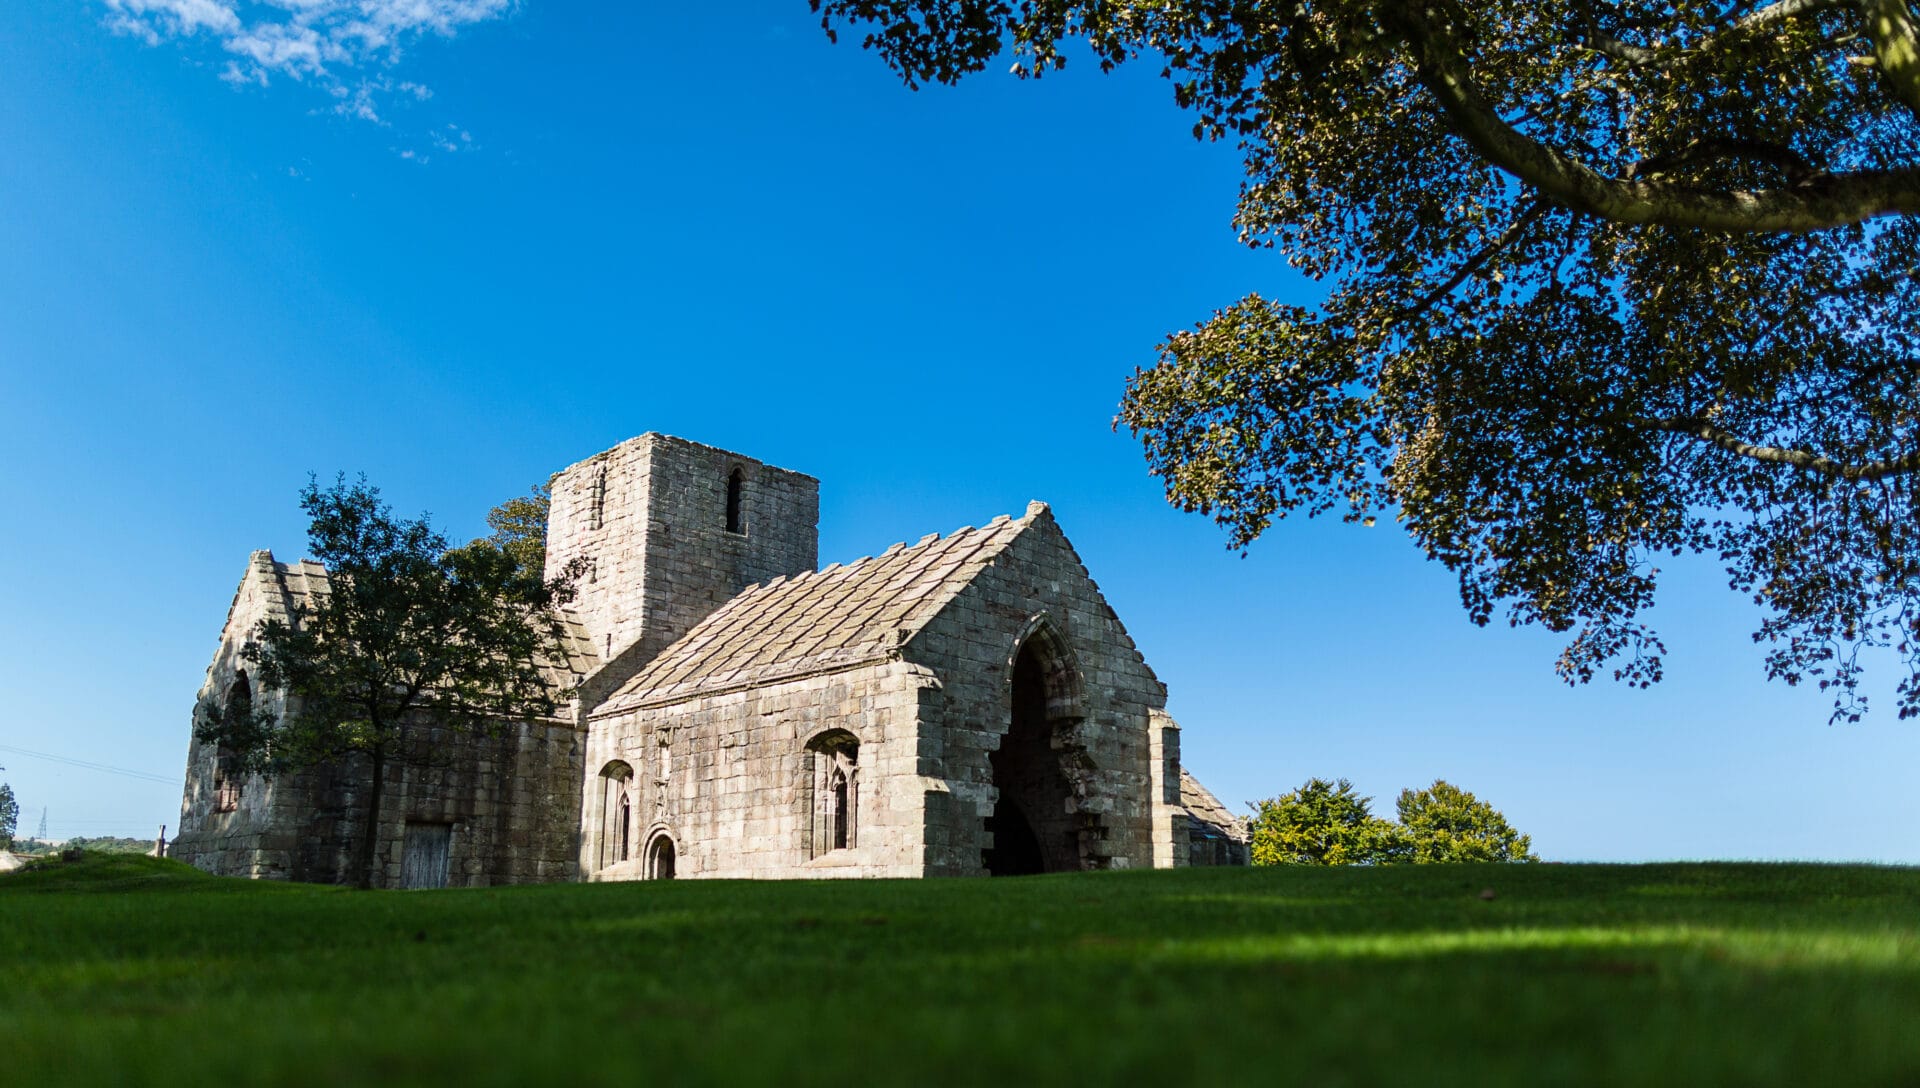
[(134, 969)]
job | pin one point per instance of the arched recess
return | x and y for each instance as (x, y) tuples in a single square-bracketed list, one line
[(1039, 769), (830, 792), (1059, 668), (227, 780), (661, 855), (616, 813)]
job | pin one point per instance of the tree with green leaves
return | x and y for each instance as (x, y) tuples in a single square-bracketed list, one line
[(520, 529), (1606, 282), (410, 634), (9, 815), (1444, 823), (1321, 823)]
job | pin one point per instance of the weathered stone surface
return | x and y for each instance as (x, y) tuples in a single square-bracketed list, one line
[(967, 704)]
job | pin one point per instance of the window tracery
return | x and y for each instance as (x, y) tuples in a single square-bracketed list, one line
[(616, 808), (833, 790)]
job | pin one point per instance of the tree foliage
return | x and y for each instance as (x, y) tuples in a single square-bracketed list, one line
[(1607, 281), (520, 529), (1328, 823), (1321, 823), (1444, 823), (110, 844), (9, 815), (410, 631)]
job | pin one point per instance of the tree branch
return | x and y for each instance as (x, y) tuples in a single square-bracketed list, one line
[(1896, 45), (1783, 10), (1476, 262), (1831, 201), (1695, 427), (1712, 149), (1600, 40)]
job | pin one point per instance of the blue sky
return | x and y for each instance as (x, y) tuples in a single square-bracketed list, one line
[(457, 255)]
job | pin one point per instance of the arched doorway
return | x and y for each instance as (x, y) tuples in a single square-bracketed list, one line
[(660, 858), (1033, 829)]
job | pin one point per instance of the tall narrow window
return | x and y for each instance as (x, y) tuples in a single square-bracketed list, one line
[(736, 521), (616, 813), (597, 498), (226, 776), (837, 810), (831, 793), (625, 831)]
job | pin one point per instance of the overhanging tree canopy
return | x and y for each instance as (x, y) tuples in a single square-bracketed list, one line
[(1607, 281)]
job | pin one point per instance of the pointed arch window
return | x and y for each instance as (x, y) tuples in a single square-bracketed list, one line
[(616, 813), (227, 781), (833, 791), (837, 809)]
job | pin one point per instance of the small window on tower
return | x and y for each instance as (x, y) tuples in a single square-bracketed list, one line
[(597, 497), (736, 520)]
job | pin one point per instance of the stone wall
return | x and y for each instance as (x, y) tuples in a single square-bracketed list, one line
[(650, 518), (729, 779), (1102, 702), (249, 840), (510, 799), (1166, 814), (509, 796)]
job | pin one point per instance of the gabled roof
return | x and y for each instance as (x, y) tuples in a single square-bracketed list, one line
[(827, 620), (297, 583), (1203, 806)]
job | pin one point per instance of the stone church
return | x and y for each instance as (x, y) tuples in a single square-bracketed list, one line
[(961, 705)]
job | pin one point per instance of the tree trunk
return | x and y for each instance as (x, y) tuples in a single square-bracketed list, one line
[(369, 835)]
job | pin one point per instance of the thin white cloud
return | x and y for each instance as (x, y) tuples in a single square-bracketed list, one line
[(319, 42)]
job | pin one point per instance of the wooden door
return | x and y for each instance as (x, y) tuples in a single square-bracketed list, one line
[(423, 860)]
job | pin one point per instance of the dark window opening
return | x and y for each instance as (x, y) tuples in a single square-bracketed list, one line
[(736, 520), (227, 780), (624, 832), (837, 811)]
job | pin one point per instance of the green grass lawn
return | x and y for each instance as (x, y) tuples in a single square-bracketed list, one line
[(131, 970)]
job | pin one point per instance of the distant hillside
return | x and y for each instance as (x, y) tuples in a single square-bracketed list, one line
[(105, 845), (111, 845)]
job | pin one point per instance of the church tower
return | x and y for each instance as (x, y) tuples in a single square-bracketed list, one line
[(670, 531)]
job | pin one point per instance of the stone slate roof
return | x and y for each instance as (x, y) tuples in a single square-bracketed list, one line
[(298, 582), (1203, 806), (830, 619)]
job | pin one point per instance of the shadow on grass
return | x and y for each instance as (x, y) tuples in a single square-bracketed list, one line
[(1681, 974)]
